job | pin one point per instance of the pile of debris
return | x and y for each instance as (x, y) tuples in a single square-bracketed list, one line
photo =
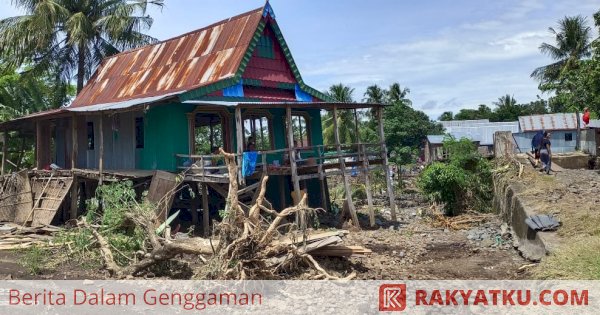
[(13, 236), (251, 243)]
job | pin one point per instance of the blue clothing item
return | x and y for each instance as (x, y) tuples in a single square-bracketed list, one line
[(546, 160), (249, 163), (536, 142)]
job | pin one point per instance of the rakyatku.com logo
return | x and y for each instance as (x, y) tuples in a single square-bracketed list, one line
[(393, 297)]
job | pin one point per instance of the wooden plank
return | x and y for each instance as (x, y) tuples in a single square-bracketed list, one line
[(386, 168), (205, 211), (298, 238), (248, 189), (16, 200), (218, 189), (49, 195), (340, 251), (350, 204), (160, 192)]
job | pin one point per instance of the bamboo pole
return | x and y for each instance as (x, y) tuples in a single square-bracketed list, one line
[(292, 154), (386, 168), (343, 169)]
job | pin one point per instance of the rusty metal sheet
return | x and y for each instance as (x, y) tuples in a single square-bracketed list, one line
[(561, 121), (182, 63)]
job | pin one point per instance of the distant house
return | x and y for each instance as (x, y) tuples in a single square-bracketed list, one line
[(481, 132), (590, 138), (562, 126)]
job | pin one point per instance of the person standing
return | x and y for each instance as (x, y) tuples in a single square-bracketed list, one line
[(586, 117), (546, 153), (536, 145)]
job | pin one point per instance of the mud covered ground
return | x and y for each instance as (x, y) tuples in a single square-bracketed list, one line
[(415, 247)]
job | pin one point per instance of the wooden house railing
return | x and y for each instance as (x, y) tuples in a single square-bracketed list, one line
[(314, 161)]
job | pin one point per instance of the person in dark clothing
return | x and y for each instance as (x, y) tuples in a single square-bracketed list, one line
[(546, 153), (536, 145)]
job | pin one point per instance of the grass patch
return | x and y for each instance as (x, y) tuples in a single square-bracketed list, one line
[(579, 260), (34, 259)]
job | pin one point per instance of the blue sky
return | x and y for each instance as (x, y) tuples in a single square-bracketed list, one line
[(451, 54)]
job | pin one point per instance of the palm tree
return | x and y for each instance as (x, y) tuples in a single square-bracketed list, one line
[(71, 37), (507, 109), (396, 94), (446, 116), (375, 94), (346, 122), (572, 44), (22, 94)]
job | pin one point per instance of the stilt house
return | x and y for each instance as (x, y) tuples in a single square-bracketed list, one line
[(167, 106)]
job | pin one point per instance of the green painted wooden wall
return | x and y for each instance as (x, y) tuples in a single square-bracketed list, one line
[(165, 134)]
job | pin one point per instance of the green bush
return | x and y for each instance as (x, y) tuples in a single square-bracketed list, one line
[(463, 181)]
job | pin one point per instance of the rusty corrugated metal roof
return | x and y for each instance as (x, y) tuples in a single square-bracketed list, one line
[(562, 121), (183, 63)]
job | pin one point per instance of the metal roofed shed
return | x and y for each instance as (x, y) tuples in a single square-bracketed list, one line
[(550, 122)]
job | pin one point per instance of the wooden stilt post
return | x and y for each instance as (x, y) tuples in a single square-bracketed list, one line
[(281, 181), (240, 143), (386, 168), (38, 146), (101, 151), (74, 144), (365, 162), (74, 198), (194, 205), (292, 153), (192, 134), (324, 188), (205, 210), (4, 151), (343, 169)]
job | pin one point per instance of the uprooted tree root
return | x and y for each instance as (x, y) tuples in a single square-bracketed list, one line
[(242, 249)]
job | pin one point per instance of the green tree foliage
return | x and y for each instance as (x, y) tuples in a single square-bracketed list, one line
[(22, 94), (572, 39), (462, 182), (579, 85), (505, 109), (71, 37), (405, 128), (345, 121), (482, 112), (446, 116)]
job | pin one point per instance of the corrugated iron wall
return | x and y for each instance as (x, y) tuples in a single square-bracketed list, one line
[(558, 142)]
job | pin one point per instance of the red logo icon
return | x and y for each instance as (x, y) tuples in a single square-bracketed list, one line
[(392, 297)]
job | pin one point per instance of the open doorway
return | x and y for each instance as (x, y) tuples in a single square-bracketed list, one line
[(209, 133)]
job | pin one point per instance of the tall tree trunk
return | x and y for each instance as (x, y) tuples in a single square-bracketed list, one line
[(80, 67)]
